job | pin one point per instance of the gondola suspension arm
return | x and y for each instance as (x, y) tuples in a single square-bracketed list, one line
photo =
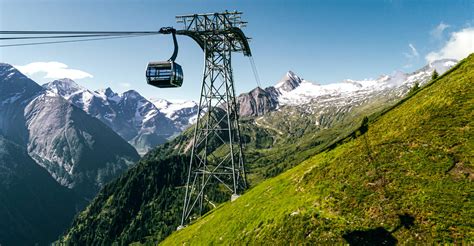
[(168, 30)]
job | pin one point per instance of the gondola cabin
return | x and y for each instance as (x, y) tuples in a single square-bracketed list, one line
[(164, 74)]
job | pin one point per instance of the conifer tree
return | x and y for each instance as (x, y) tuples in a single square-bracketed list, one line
[(415, 88), (434, 75)]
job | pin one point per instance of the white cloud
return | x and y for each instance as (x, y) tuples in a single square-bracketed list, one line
[(413, 50), (437, 32), (413, 53), (459, 45), (412, 56), (53, 70), (125, 85)]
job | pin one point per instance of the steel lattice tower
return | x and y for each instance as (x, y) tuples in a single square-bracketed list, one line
[(216, 156)]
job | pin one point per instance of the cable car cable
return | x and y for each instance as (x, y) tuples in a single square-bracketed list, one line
[(255, 72), (76, 32), (75, 40), (61, 36)]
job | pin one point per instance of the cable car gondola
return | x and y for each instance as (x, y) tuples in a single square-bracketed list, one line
[(166, 74)]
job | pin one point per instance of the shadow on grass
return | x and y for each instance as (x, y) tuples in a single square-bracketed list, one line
[(379, 235)]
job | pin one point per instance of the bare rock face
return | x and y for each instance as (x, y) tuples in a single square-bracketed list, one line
[(256, 102), (79, 151)]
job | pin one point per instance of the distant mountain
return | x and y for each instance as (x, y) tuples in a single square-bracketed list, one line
[(78, 151), (257, 102), (34, 208), (136, 119), (351, 91), (293, 91), (183, 113)]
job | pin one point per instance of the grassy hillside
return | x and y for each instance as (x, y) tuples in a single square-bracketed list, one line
[(407, 177), (147, 199)]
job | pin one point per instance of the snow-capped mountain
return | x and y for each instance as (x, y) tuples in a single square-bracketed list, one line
[(289, 82), (293, 91), (397, 82), (182, 113), (77, 150), (133, 117)]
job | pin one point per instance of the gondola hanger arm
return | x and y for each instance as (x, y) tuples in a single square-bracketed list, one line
[(168, 30)]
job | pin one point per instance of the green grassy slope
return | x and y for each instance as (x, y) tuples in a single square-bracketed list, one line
[(147, 199), (409, 177)]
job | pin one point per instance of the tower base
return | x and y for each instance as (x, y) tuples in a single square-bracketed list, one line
[(234, 197)]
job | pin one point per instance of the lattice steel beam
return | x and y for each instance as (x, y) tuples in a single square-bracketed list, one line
[(217, 155)]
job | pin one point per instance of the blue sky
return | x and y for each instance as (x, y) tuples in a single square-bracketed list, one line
[(321, 41)]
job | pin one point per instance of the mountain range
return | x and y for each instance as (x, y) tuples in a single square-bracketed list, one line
[(142, 123), (146, 123), (294, 91)]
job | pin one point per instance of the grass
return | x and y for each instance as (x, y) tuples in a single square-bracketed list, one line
[(415, 161)]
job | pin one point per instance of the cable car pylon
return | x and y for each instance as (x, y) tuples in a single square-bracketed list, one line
[(217, 159)]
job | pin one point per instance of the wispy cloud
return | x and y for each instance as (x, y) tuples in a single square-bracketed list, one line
[(411, 56), (53, 70), (413, 52), (459, 45), (437, 32)]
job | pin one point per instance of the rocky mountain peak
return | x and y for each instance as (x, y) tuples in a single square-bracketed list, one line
[(257, 90), (132, 94), (256, 102), (109, 92), (160, 103), (5, 68), (289, 82), (8, 73), (63, 87)]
